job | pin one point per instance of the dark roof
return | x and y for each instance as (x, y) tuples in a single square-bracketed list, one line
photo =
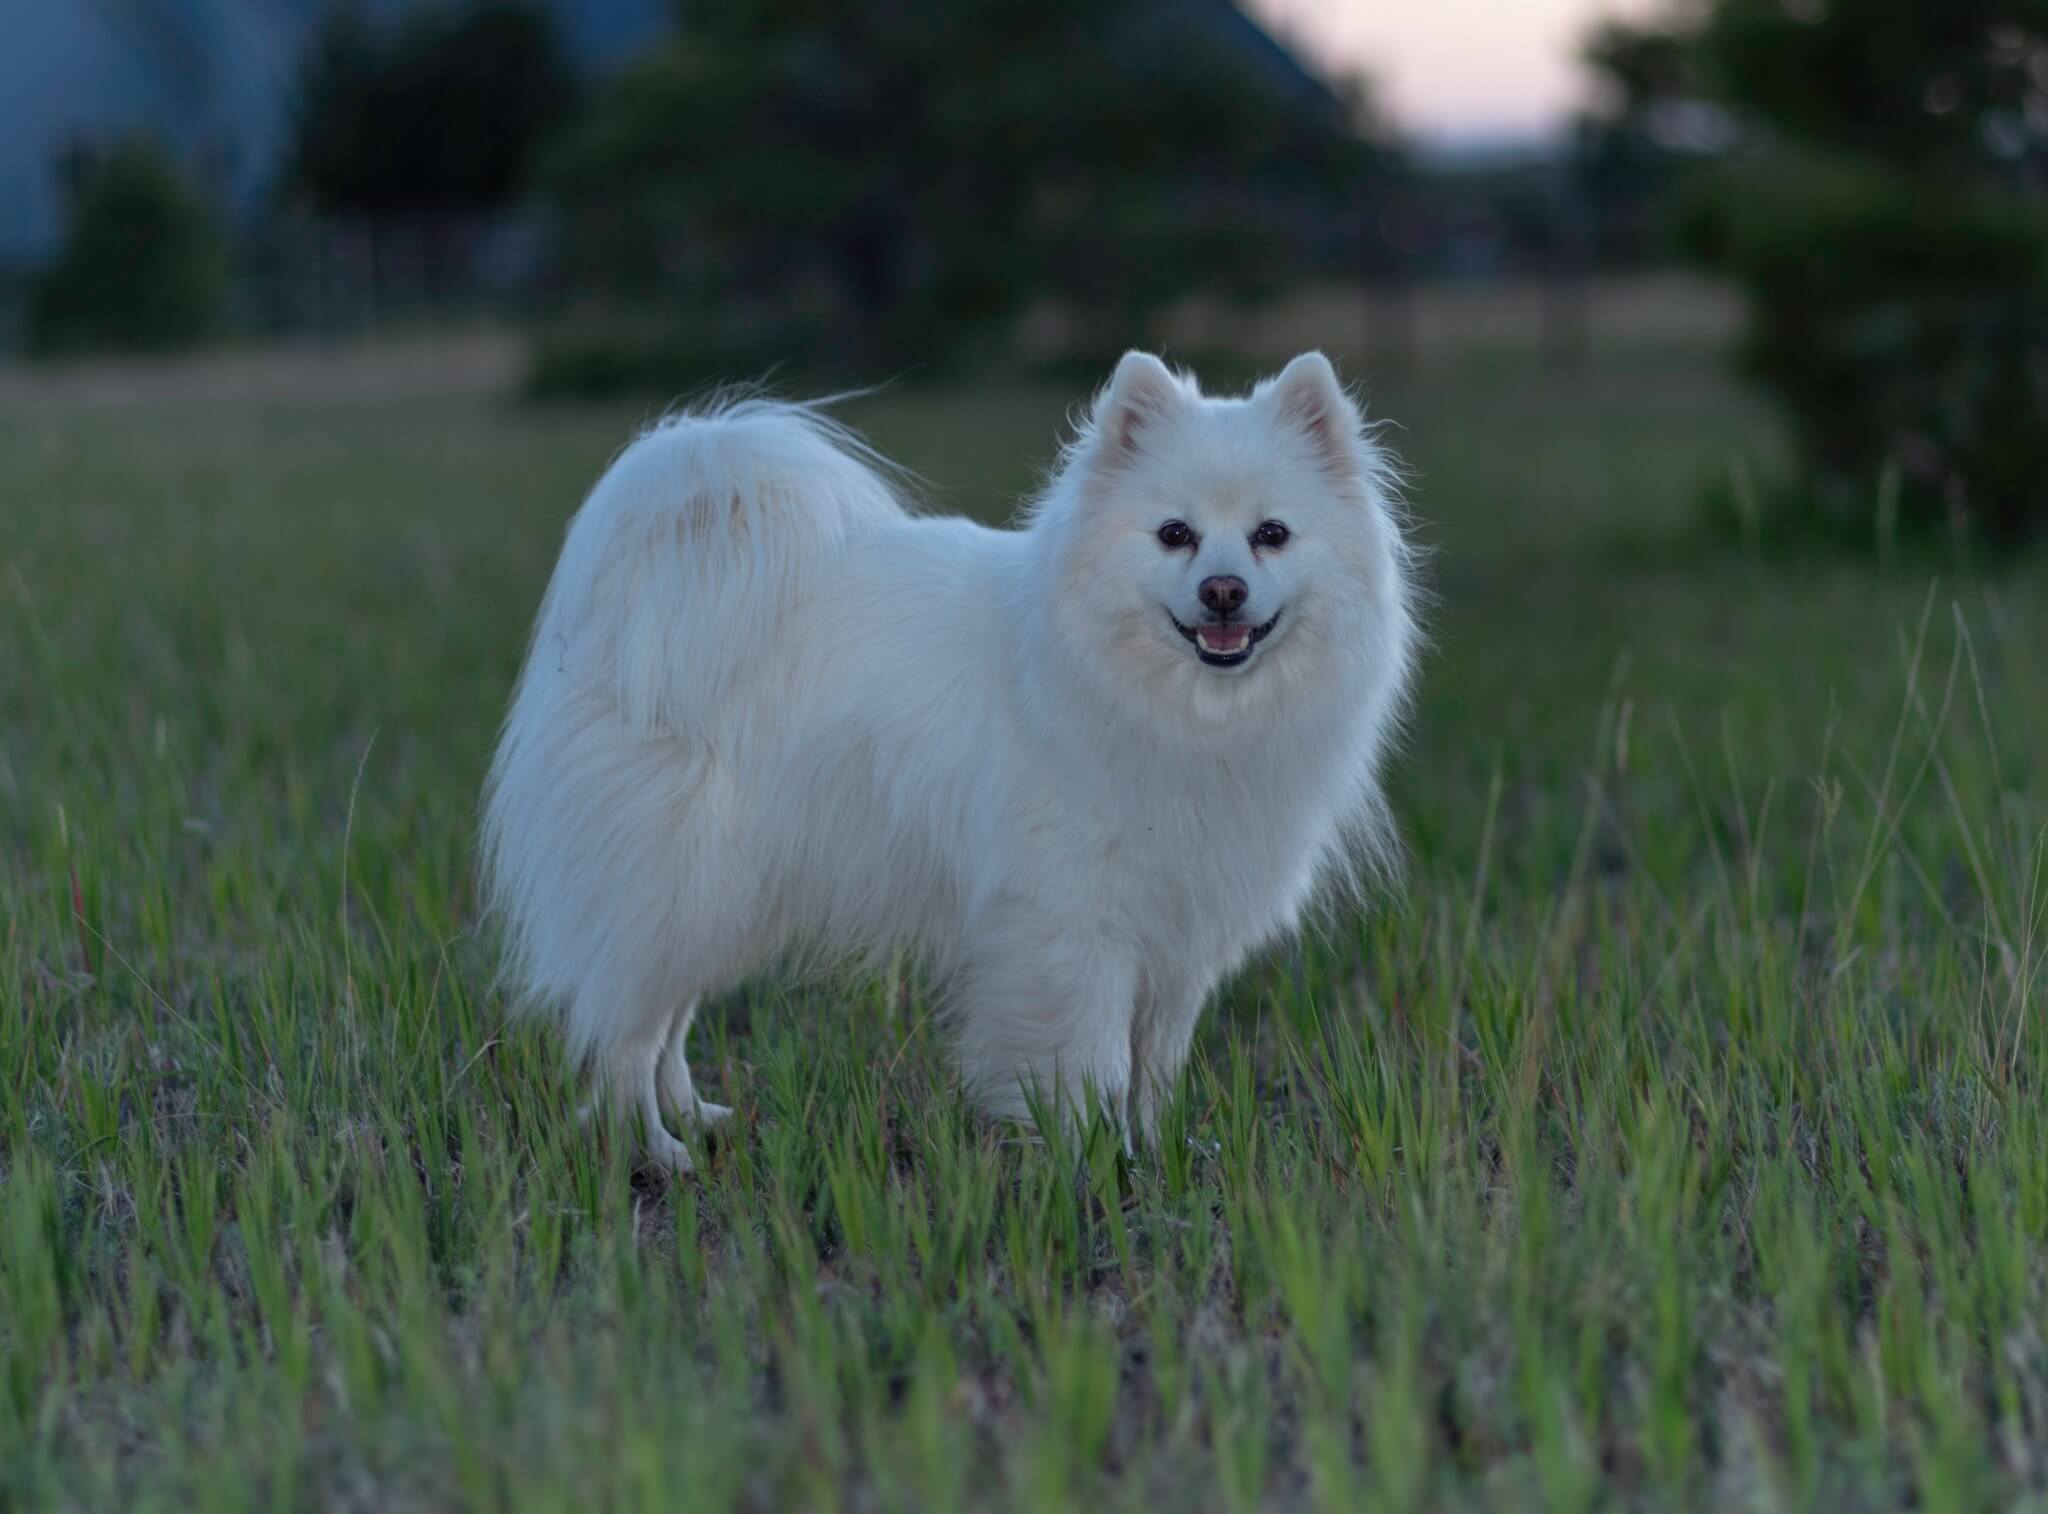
[(1276, 65)]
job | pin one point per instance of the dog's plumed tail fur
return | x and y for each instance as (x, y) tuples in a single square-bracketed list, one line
[(715, 517)]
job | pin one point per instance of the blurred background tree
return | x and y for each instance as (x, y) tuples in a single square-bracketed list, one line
[(1882, 212), (429, 119), (1637, 145), (897, 181), (143, 268)]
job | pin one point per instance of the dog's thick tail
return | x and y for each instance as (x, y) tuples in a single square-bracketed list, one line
[(681, 567), (669, 607)]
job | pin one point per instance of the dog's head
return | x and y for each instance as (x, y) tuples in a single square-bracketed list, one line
[(1223, 553)]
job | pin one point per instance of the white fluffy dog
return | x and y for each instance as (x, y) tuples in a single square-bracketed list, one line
[(1081, 768)]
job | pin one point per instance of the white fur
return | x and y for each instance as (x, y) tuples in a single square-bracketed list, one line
[(767, 707)]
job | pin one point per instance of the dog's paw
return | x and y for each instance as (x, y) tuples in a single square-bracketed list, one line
[(663, 1151)]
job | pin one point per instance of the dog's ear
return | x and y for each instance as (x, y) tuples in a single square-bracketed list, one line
[(1307, 395), (1140, 391)]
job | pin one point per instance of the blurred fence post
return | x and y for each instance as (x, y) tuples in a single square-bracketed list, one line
[(1567, 294), (1567, 317), (1394, 341), (1393, 337)]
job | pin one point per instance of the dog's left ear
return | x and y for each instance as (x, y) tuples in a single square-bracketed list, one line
[(1138, 394), (1307, 395)]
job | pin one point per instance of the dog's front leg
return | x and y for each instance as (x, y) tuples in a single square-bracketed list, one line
[(1161, 1035), (1044, 1012)]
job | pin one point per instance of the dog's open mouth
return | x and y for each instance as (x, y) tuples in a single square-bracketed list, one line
[(1224, 643)]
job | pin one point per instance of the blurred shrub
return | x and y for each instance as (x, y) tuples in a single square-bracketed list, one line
[(1883, 213), (904, 179), (610, 352), (143, 268), (1902, 326)]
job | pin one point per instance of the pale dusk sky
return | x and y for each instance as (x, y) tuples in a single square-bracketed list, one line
[(1453, 68)]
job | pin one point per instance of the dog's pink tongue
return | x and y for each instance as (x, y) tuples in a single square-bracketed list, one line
[(1223, 638)]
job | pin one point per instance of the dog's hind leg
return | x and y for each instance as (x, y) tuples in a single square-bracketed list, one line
[(632, 1088), (675, 1072)]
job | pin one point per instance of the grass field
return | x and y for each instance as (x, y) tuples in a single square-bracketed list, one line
[(1674, 1139)]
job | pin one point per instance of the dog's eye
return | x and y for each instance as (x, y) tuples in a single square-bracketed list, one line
[(1270, 534), (1176, 533)]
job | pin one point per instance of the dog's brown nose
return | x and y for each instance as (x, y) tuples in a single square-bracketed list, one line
[(1222, 596)]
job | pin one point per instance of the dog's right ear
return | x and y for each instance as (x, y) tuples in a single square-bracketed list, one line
[(1140, 391)]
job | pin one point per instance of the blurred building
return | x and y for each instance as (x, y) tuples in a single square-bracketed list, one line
[(209, 79)]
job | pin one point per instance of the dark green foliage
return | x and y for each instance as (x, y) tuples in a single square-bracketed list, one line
[(912, 175), (1884, 216), (1919, 87), (143, 268), (1902, 328), (439, 115)]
